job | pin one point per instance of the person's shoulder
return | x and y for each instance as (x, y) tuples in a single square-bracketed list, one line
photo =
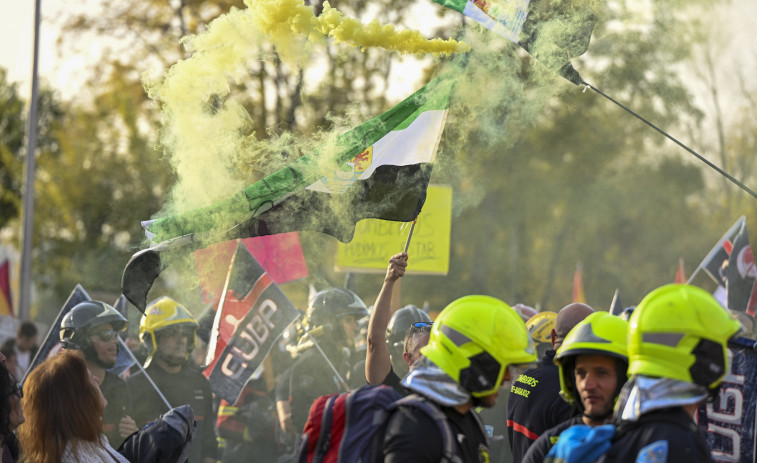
[(113, 378), (670, 434), (112, 381), (411, 436), (191, 371), (408, 421)]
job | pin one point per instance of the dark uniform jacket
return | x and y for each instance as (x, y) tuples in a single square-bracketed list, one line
[(413, 437), (187, 387), (117, 394), (534, 405), (540, 448), (668, 435)]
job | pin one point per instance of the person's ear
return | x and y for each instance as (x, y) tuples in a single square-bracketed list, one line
[(408, 358)]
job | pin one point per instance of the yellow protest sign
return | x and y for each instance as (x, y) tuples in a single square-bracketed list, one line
[(377, 240)]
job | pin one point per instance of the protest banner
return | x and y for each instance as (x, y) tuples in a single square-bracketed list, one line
[(730, 419), (254, 313), (375, 240)]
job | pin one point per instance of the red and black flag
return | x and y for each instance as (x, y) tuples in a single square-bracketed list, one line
[(715, 261), (740, 275), (253, 313)]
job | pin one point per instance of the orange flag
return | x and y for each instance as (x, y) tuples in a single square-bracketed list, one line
[(680, 275), (578, 289), (6, 302)]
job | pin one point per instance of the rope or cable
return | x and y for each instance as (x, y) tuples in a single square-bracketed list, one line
[(700, 157)]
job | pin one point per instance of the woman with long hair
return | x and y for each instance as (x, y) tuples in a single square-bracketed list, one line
[(11, 415), (64, 406)]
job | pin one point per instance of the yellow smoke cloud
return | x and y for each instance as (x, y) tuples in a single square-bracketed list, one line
[(354, 33), (204, 139)]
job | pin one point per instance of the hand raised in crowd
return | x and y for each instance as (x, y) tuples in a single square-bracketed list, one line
[(397, 266)]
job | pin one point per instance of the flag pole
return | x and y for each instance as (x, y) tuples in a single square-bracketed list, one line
[(671, 138), (336, 372), (123, 345), (410, 235), (24, 302), (213, 341)]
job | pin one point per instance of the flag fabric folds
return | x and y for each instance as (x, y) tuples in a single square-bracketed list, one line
[(504, 18), (6, 301), (713, 262), (521, 21), (255, 312), (51, 344), (280, 255), (740, 275), (578, 289), (379, 169)]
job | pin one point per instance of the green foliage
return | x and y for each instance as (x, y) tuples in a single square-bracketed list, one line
[(540, 181), (12, 131)]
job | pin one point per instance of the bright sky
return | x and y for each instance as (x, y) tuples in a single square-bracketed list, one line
[(739, 20)]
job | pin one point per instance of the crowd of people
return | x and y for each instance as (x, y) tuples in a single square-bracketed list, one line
[(508, 383)]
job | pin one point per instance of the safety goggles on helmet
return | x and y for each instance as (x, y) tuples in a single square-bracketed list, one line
[(105, 335)]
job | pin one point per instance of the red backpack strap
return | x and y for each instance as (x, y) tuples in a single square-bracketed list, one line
[(319, 420)]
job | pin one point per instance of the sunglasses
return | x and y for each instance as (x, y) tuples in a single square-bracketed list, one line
[(106, 335), (422, 324)]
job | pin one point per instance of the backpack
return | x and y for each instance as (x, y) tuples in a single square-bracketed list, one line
[(581, 443), (349, 427)]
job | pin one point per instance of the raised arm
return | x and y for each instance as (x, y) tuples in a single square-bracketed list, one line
[(377, 361)]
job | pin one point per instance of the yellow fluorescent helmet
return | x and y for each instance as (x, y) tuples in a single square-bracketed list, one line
[(540, 326), (474, 339), (681, 332), (163, 313), (598, 334)]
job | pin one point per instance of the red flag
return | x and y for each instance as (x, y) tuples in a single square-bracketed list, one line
[(578, 289), (680, 274), (6, 301), (280, 255)]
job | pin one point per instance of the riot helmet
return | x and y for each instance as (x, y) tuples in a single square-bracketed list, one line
[(77, 327)]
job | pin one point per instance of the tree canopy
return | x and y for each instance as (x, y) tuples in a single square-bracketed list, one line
[(547, 176)]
